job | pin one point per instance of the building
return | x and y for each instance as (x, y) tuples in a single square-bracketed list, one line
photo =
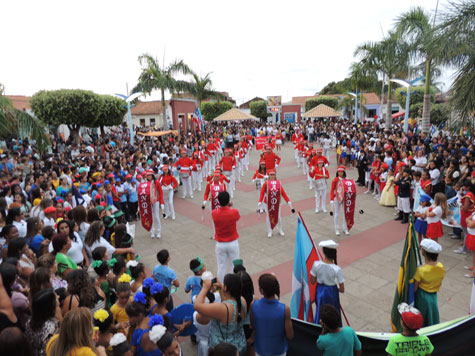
[(149, 114), (21, 102), (246, 107)]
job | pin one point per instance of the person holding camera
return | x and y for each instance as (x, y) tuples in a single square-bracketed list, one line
[(227, 247)]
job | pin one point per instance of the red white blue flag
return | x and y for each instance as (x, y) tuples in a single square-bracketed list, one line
[(303, 292)]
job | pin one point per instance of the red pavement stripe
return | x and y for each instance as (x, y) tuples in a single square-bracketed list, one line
[(350, 250), (286, 164)]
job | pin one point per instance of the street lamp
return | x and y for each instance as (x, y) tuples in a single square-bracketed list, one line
[(356, 105), (407, 85), (128, 99)]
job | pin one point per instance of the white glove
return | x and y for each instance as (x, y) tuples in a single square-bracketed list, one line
[(331, 202), (162, 206), (204, 203), (289, 203), (266, 177), (253, 181), (276, 166)]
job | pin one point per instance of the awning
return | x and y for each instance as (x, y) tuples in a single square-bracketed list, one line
[(158, 133), (398, 114), (322, 110), (234, 114)]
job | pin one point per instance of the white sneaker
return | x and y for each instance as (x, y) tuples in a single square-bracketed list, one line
[(152, 236), (460, 251), (269, 234), (310, 187), (317, 211), (281, 233), (324, 210), (165, 217), (183, 197), (347, 233), (337, 233), (367, 192), (159, 236), (173, 217), (191, 196), (199, 189)]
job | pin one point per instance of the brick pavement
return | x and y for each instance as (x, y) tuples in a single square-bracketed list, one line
[(370, 256)]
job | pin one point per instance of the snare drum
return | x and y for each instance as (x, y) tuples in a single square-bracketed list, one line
[(321, 184), (184, 175), (259, 183)]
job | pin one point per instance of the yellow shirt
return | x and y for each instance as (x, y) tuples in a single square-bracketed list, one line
[(77, 351), (430, 277), (119, 313), (55, 183)]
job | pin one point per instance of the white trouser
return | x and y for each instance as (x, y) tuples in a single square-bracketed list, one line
[(279, 222), (303, 161), (320, 196), (296, 156), (156, 226), (212, 162), (206, 168), (337, 207), (168, 201), (196, 176), (203, 348), (246, 161), (326, 152), (226, 253), (240, 172), (186, 186), (230, 185)]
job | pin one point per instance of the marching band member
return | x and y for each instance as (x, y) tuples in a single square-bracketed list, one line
[(338, 206), (246, 149), (213, 188), (310, 155), (296, 138), (227, 164), (196, 171), (168, 183), (238, 163), (184, 166), (156, 227), (260, 176), (269, 201), (320, 174), (211, 150), (318, 156), (271, 159), (303, 156)]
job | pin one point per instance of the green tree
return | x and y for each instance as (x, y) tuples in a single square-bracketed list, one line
[(212, 110), (453, 44), (203, 89), (112, 112), (153, 77), (340, 87), (71, 107), (417, 95), (327, 100), (388, 57), (414, 27), (259, 109), (18, 123), (363, 78)]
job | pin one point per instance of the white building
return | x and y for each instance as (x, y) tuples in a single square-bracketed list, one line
[(149, 114)]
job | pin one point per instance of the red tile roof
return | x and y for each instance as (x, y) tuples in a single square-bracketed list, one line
[(20, 102), (148, 107)]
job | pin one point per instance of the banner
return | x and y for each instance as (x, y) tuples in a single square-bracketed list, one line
[(453, 219), (147, 197), (411, 258), (215, 189), (273, 202), (349, 201), (303, 292), (262, 141)]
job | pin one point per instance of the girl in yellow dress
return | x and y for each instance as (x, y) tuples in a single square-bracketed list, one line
[(388, 198)]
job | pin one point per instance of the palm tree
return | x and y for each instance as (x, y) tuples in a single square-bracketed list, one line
[(388, 57), (203, 89), (454, 45), (15, 122), (414, 27), (153, 77), (363, 77)]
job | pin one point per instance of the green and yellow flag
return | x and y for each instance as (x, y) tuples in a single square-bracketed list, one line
[(411, 258)]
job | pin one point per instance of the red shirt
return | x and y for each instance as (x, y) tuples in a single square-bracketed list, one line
[(225, 220), (271, 160)]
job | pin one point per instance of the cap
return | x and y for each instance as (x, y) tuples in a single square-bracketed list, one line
[(410, 316), (128, 176), (109, 221), (341, 168), (149, 172), (99, 208), (424, 198), (216, 174), (165, 167), (319, 150), (262, 162), (328, 244), (237, 262), (82, 169), (139, 176), (60, 201), (271, 171), (320, 160), (118, 214), (96, 174), (110, 175), (431, 246), (385, 165), (50, 209)]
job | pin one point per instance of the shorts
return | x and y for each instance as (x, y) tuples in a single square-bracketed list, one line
[(421, 226)]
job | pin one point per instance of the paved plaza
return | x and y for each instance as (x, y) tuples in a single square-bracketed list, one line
[(370, 256)]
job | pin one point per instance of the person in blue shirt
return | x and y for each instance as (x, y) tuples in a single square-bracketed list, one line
[(34, 239), (164, 274), (193, 283), (334, 340), (133, 198)]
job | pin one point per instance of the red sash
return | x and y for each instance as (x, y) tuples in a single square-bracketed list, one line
[(273, 201), (147, 197), (215, 189), (349, 201)]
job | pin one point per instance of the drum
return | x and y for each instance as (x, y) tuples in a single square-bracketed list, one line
[(259, 183), (184, 175), (321, 184)]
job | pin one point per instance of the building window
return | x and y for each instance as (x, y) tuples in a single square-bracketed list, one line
[(142, 122), (152, 121), (371, 112), (289, 117)]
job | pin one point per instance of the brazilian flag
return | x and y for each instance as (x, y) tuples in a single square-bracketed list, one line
[(411, 258)]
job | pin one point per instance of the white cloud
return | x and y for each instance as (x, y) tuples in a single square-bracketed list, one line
[(253, 48)]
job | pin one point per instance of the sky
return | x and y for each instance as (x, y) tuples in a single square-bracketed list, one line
[(252, 48)]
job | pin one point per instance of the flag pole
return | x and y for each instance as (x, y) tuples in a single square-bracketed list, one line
[(318, 252)]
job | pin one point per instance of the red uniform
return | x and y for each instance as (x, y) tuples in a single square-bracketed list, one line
[(316, 158), (263, 196), (227, 163), (333, 188), (271, 160), (185, 164), (158, 189), (320, 173), (168, 179)]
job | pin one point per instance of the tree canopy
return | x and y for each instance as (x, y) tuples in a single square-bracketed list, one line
[(327, 100), (211, 110), (259, 109)]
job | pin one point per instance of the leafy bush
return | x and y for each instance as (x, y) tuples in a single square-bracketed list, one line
[(211, 110), (417, 95), (259, 109), (327, 100)]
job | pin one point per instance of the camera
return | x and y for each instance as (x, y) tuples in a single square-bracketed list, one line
[(214, 281)]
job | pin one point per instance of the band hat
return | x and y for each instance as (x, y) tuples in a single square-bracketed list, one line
[(319, 150), (50, 209), (320, 160), (149, 172), (165, 167), (341, 168), (328, 244), (431, 246), (410, 316), (424, 198), (271, 171), (110, 175), (128, 176), (216, 174)]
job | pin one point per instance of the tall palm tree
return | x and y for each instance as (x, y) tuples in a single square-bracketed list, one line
[(415, 27), (454, 45), (363, 77), (18, 123), (388, 57), (154, 77), (203, 89)]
